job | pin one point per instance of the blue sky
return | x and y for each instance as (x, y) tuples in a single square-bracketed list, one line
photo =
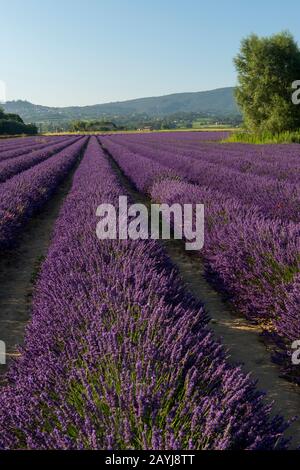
[(71, 52)]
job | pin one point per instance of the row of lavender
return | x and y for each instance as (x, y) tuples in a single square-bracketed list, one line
[(118, 354), (255, 153), (18, 150), (256, 259), (23, 194), (278, 161), (275, 198), (17, 164), (183, 137), (22, 144)]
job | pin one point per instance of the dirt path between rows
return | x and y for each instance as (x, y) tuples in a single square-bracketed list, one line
[(19, 268), (241, 338)]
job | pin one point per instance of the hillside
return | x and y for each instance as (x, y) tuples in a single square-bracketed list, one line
[(219, 102)]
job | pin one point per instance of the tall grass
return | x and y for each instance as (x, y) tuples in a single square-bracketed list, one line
[(286, 137)]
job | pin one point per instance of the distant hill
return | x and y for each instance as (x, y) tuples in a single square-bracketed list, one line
[(219, 102)]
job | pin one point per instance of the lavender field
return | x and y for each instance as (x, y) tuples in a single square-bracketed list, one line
[(117, 351)]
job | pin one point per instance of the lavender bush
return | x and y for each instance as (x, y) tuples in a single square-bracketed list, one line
[(13, 166), (24, 194), (274, 198), (255, 259), (277, 161), (20, 142), (118, 354), (19, 150)]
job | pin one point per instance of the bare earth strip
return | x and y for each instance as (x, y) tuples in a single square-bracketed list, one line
[(241, 338), (18, 269)]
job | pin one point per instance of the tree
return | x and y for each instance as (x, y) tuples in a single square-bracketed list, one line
[(91, 126), (11, 124), (266, 68), (9, 127), (14, 117)]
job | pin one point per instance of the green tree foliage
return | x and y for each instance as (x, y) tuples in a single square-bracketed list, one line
[(91, 126), (14, 117), (8, 127), (11, 124), (266, 68)]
